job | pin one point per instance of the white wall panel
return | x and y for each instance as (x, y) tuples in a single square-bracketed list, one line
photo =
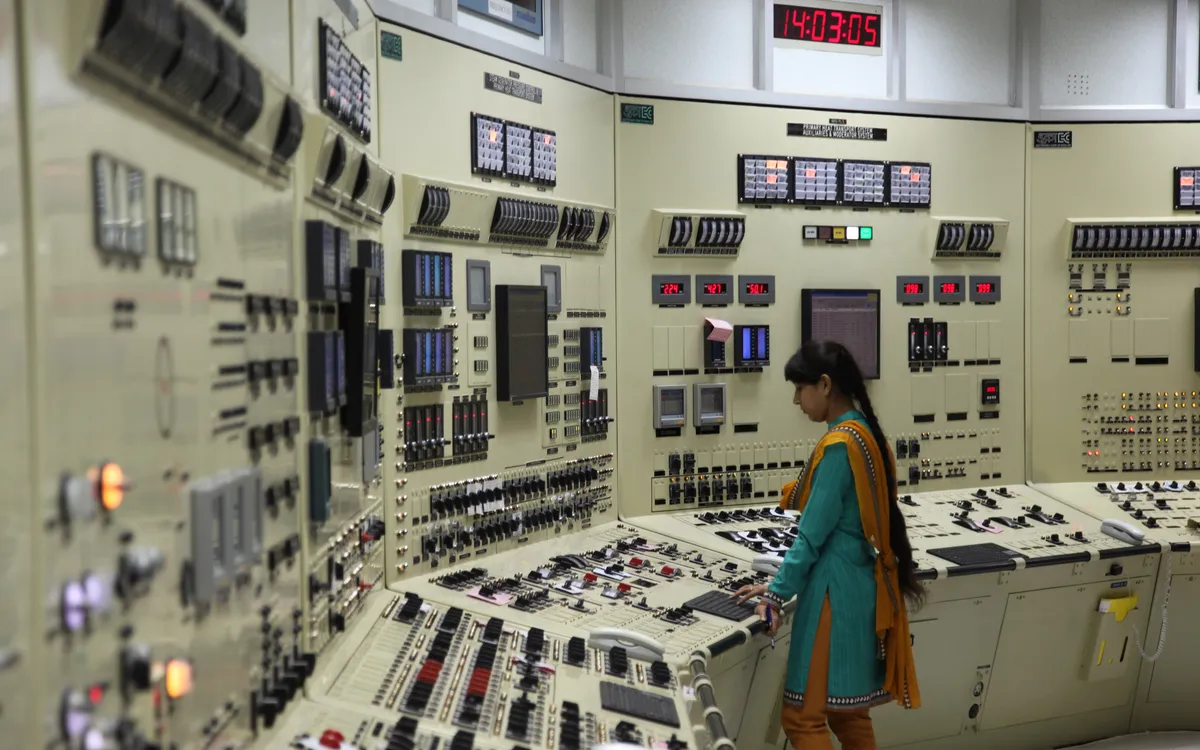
[(696, 42), (579, 33), (806, 71), (504, 33), (1192, 58), (428, 7), (1104, 53), (959, 50)]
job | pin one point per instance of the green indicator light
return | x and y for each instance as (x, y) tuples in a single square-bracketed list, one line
[(866, 233)]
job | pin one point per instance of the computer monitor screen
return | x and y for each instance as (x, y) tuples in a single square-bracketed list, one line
[(522, 355), (848, 316)]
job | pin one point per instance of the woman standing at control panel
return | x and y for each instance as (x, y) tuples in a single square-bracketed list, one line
[(850, 567)]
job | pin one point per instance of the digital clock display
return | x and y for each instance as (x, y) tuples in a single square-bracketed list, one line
[(950, 287), (914, 288), (850, 28), (716, 287), (984, 287), (671, 288)]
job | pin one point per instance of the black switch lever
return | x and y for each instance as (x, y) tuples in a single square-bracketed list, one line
[(964, 520), (1013, 523), (1035, 512)]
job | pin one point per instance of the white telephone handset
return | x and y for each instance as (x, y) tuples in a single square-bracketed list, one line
[(768, 564), (1122, 530), (638, 645)]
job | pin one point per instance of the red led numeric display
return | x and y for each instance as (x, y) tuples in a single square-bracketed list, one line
[(756, 288), (715, 288), (950, 287), (984, 287), (850, 28), (914, 288), (670, 288)]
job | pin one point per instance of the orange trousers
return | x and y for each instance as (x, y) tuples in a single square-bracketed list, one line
[(807, 727)]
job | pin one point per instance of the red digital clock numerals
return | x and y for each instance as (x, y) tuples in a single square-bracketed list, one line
[(670, 288), (758, 288), (804, 24)]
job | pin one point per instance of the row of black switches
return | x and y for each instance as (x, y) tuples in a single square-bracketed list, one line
[(570, 732), (403, 736), (660, 674), (618, 661), (535, 641), (518, 717)]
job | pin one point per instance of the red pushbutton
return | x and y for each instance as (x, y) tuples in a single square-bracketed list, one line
[(332, 739), (589, 577), (637, 562), (624, 587), (667, 570)]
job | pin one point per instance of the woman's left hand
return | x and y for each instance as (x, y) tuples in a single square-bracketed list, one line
[(773, 623)]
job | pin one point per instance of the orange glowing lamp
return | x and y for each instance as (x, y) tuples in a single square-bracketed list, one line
[(109, 485), (177, 678)]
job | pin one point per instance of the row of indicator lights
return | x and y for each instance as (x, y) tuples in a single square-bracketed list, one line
[(1166, 405), (839, 233)]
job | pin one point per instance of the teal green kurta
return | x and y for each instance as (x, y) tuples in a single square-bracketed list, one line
[(831, 556)]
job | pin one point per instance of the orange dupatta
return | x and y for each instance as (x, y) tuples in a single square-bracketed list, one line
[(870, 485)]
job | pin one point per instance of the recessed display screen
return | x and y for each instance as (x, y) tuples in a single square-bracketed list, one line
[(950, 287), (758, 288), (851, 28), (984, 287), (914, 288), (716, 288), (848, 316), (671, 288), (522, 350)]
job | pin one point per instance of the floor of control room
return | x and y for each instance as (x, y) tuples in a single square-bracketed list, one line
[(1157, 741)]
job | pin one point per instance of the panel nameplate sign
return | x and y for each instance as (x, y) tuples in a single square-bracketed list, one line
[(391, 46), (512, 87), (844, 132), (1052, 139), (638, 114)]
